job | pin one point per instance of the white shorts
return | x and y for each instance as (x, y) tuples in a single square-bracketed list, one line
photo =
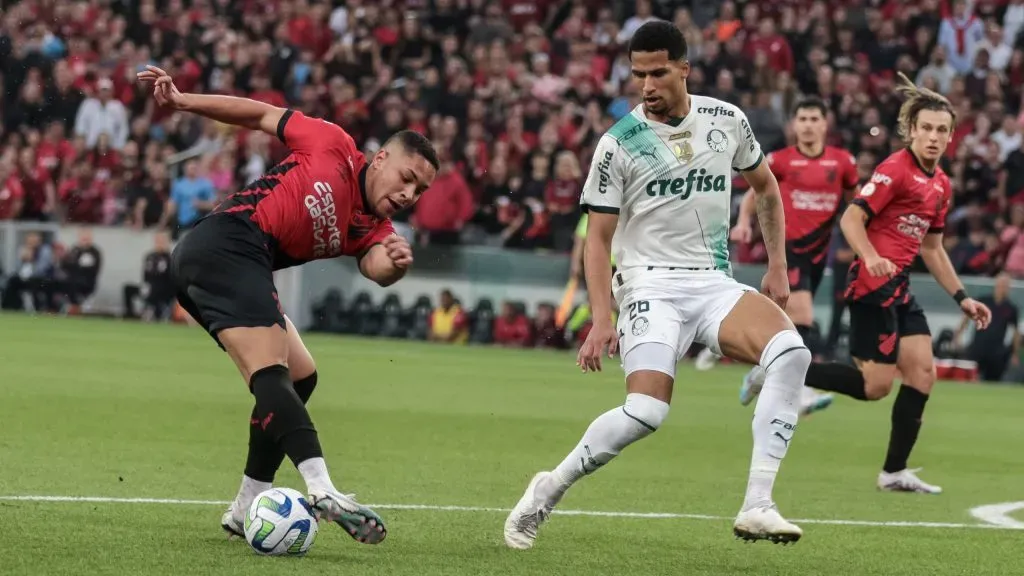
[(673, 308)]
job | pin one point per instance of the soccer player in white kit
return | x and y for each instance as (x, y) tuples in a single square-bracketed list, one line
[(658, 195)]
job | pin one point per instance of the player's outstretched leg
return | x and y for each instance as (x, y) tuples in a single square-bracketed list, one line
[(771, 342), (647, 404), (265, 456), (261, 355)]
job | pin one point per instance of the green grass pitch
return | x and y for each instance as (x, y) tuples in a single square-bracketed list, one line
[(120, 410)]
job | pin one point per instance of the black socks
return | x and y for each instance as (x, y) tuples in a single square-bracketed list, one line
[(837, 377), (265, 456), (906, 424), (280, 420)]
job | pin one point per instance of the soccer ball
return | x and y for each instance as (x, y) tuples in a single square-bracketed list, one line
[(280, 522)]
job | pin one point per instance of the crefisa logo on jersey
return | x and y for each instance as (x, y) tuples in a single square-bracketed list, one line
[(716, 111), (323, 212), (695, 181), (603, 172)]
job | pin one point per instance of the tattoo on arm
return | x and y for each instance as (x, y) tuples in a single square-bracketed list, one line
[(769, 215)]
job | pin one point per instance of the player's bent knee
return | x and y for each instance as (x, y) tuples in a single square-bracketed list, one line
[(647, 410), (255, 348), (877, 386), (786, 355), (921, 378)]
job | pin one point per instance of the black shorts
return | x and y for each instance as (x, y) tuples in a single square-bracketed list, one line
[(223, 275), (875, 332), (804, 273)]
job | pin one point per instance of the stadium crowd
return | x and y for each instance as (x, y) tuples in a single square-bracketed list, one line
[(514, 93)]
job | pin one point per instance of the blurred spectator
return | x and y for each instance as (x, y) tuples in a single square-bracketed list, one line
[(546, 333), (79, 272), (445, 207), (12, 194), (156, 293), (192, 196), (30, 287), (512, 327), (997, 347), (562, 198), (960, 33), (448, 323), (102, 114)]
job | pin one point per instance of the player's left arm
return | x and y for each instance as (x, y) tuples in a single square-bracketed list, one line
[(749, 161), (851, 184), (385, 256), (938, 263)]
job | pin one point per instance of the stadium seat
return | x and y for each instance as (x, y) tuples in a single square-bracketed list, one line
[(393, 318), (419, 318), (365, 315), (482, 322), (329, 314)]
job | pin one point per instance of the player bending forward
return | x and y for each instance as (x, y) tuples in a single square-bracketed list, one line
[(660, 185), (322, 201), (814, 180), (899, 213)]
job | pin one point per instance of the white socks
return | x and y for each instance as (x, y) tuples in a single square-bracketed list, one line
[(785, 360), (314, 472), (605, 438), (247, 492)]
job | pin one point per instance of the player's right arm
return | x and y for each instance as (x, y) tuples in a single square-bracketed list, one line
[(602, 200), (296, 130), (872, 199)]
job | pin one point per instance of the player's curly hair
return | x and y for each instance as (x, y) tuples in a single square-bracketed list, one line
[(917, 99)]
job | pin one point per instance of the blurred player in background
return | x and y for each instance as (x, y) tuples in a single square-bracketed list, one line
[(658, 196), (814, 179), (899, 213), (324, 200)]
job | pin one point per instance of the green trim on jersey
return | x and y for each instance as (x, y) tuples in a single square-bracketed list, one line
[(760, 158), (675, 122), (719, 245), (640, 141)]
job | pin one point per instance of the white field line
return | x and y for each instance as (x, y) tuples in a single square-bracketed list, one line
[(999, 514), (436, 508)]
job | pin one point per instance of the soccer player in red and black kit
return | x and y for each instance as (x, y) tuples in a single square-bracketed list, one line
[(324, 200), (898, 214), (814, 179)]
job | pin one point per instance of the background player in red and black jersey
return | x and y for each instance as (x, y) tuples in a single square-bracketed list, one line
[(899, 213), (815, 180), (324, 200)]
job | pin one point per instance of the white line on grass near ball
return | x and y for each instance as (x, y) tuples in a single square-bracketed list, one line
[(436, 508)]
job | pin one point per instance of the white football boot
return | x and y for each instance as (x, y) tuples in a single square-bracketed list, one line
[(358, 521), (753, 381), (765, 523), (905, 480), (706, 360), (233, 524), (812, 401), (524, 520)]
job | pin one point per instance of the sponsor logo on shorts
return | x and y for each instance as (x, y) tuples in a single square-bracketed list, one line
[(324, 214), (640, 326)]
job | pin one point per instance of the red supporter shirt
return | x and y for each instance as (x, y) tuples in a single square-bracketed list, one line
[(514, 332), (812, 192), (10, 193), (312, 204), (904, 203)]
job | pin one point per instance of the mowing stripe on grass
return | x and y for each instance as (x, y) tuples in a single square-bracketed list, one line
[(437, 508)]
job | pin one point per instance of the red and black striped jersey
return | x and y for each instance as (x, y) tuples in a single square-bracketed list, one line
[(312, 204), (812, 192), (904, 203)]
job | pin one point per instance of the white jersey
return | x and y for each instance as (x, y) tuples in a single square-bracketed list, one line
[(671, 185)]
